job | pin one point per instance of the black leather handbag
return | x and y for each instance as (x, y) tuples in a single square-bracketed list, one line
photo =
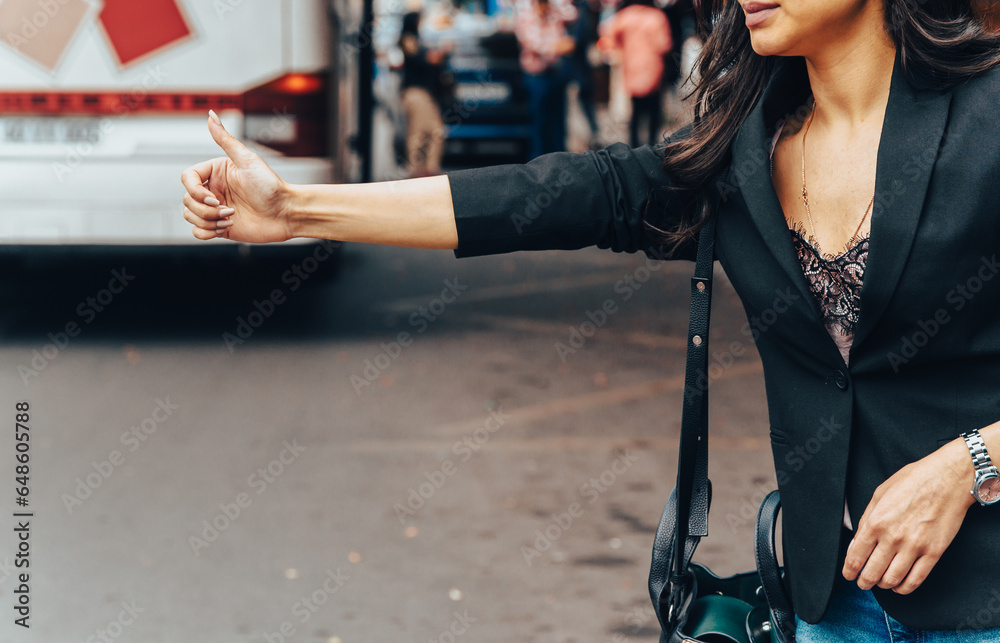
[(692, 604)]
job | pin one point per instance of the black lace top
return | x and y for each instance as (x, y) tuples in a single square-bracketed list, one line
[(835, 279)]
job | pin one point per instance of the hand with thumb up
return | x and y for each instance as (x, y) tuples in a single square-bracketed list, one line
[(236, 196)]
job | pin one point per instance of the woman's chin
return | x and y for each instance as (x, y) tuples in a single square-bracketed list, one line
[(767, 45)]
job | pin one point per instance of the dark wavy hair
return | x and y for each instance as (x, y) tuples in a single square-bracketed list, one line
[(941, 42)]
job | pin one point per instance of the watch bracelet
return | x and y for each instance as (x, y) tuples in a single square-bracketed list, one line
[(977, 448)]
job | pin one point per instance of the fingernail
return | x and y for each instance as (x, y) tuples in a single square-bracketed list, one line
[(225, 223), (214, 116), (212, 201), (227, 211)]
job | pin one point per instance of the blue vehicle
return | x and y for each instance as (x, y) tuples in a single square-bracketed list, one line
[(487, 113), (485, 107)]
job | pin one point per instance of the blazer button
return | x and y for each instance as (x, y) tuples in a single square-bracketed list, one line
[(841, 380)]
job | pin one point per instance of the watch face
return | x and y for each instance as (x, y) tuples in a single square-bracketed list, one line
[(989, 490)]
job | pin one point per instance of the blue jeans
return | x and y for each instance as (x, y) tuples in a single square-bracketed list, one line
[(547, 100), (855, 616)]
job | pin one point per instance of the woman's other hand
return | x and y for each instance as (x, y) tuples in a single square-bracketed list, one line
[(911, 519), (236, 196)]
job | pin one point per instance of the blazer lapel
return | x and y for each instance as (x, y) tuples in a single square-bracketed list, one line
[(912, 133), (751, 170)]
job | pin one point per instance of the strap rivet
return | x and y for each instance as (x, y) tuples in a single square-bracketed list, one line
[(700, 285), (696, 340)]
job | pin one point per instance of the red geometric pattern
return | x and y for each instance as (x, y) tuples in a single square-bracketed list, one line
[(139, 27), (42, 30)]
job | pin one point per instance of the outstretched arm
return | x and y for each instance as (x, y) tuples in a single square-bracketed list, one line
[(416, 213), (562, 200), (239, 197)]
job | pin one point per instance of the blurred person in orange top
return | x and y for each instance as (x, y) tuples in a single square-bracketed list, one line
[(642, 33), (541, 30)]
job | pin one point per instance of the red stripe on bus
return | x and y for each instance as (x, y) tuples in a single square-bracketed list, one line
[(104, 103)]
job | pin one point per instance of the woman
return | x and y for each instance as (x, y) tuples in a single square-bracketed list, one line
[(421, 86), (824, 129), (641, 32)]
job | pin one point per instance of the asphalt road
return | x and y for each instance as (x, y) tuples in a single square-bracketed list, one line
[(416, 449)]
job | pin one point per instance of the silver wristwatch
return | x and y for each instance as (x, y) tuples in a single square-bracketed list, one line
[(986, 488)]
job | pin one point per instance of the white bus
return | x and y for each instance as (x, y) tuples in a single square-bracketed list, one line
[(104, 104)]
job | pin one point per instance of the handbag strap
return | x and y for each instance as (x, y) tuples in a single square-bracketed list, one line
[(685, 517), (692, 461), (765, 553)]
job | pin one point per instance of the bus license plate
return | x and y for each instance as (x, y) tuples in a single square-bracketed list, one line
[(49, 131)]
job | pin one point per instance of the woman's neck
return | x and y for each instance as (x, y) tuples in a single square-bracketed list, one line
[(850, 78)]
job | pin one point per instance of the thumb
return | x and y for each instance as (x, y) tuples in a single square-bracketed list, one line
[(238, 152)]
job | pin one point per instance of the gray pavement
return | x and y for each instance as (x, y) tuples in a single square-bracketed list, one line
[(488, 476)]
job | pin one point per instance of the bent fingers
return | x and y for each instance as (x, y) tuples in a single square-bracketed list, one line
[(206, 224)]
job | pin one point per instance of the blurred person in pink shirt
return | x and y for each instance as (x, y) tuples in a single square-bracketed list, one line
[(642, 33)]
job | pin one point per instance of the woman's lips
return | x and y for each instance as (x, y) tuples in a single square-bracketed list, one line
[(758, 12)]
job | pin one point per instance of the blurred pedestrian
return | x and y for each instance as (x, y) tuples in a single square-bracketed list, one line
[(641, 32), (541, 31), (584, 33), (681, 17), (421, 89)]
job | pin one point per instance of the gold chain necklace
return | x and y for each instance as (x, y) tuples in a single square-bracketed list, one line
[(805, 192)]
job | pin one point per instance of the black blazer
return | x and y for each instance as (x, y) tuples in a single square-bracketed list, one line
[(925, 362)]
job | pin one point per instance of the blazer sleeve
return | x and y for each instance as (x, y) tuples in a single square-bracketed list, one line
[(566, 201)]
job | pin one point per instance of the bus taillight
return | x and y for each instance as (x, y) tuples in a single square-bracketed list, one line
[(289, 114)]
